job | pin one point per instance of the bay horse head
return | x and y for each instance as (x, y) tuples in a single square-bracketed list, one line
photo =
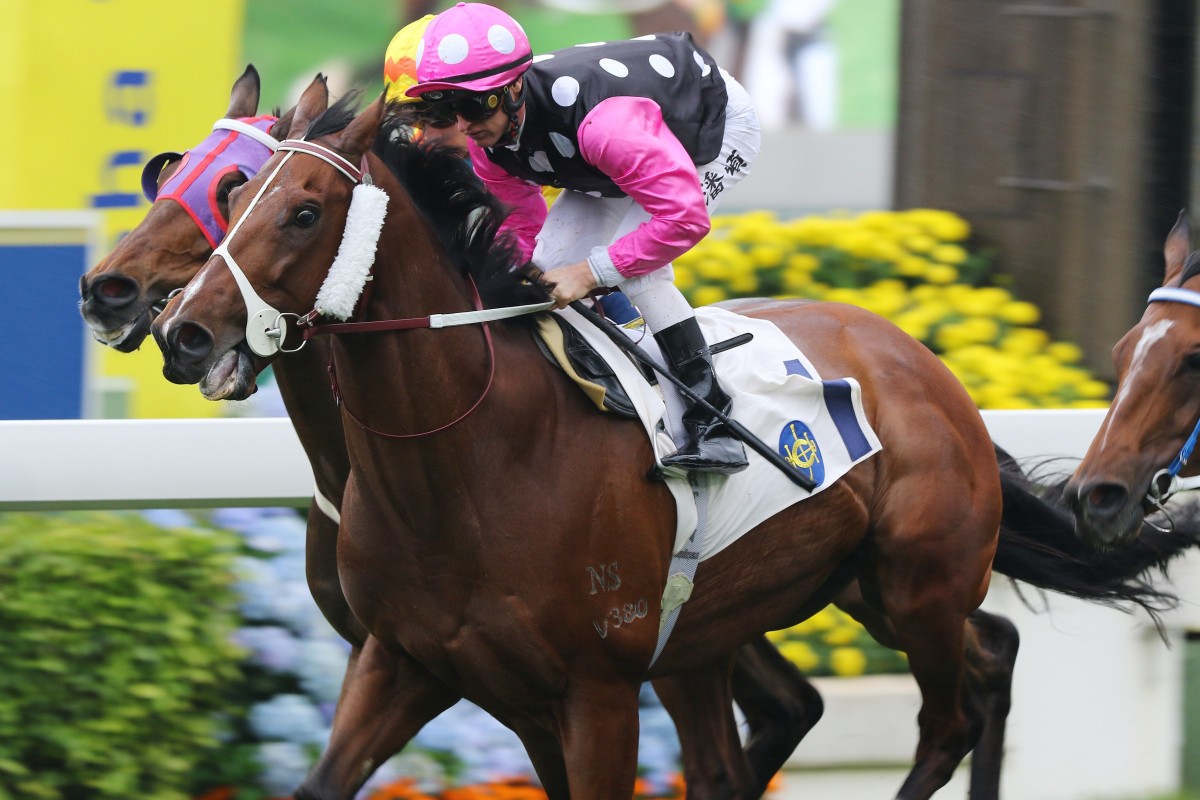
[(295, 253), (200, 342), (188, 216), (1141, 450)]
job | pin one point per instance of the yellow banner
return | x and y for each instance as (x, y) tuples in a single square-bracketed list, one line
[(91, 90)]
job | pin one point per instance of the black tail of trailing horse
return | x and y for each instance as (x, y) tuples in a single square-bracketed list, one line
[(1038, 546)]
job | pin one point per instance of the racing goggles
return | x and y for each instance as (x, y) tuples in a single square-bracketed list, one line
[(420, 114), (472, 106)]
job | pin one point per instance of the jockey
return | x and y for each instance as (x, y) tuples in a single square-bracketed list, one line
[(643, 136), (400, 73)]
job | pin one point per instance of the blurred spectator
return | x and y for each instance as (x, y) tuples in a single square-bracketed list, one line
[(791, 66)]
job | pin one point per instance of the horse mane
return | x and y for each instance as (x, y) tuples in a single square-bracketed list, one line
[(464, 215)]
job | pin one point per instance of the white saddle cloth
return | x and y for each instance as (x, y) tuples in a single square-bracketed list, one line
[(818, 426)]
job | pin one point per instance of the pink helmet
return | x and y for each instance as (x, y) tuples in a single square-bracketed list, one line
[(472, 47)]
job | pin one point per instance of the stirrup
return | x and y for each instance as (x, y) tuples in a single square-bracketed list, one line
[(725, 456)]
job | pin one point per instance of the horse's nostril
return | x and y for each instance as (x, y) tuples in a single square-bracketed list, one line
[(191, 342), (1105, 498), (112, 291)]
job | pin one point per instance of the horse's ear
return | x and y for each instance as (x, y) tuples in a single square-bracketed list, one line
[(283, 125), (313, 103), (359, 136), (1179, 244), (243, 100)]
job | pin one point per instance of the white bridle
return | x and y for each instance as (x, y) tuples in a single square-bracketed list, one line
[(266, 326), (1174, 483)]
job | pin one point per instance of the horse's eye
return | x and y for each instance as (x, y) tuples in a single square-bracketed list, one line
[(305, 217), (1191, 362)]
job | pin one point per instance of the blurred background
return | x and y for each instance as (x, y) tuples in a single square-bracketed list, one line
[(995, 177)]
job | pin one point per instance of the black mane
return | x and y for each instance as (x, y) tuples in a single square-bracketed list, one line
[(464, 216)]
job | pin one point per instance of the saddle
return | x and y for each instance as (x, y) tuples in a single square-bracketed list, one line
[(561, 344)]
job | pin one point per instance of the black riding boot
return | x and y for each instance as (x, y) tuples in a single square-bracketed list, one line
[(709, 446)]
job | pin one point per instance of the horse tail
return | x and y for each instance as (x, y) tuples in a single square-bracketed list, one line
[(1038, 546)]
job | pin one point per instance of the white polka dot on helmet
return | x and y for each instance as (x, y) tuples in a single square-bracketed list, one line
[(473, 47)]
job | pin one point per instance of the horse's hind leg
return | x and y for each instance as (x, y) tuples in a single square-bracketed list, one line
[(991, 655), (991, 651), (781, 706), (700, 703), (932, 564), (384, 702)]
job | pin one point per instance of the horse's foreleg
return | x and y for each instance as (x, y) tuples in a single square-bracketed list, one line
[(781, 706), (700, 703), (546, 754), (599, 724), (385, 701), (991, 653), (320, 566)]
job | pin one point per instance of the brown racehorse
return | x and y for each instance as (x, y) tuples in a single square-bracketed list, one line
[(1134, 460), (467, 550), (119, 298)]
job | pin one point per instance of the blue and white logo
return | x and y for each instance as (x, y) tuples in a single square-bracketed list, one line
[(799, 448)]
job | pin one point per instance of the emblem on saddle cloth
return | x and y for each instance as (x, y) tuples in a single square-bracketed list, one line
[(801, 451), (820, 426)]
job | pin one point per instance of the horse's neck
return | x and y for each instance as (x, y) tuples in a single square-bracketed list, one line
[(413, 380), (304, 386)]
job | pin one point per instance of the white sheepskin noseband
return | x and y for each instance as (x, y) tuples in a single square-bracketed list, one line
[(352, 266)]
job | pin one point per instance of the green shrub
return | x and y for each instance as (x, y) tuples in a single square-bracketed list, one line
[(115, 652)]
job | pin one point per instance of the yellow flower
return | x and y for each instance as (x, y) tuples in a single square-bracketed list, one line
[(711, 269), (743, 284), (685, 278), (912, 267), (802, 262), (848, 661), (941, 273), (1024, 341), (948, 253), (707, 295), (944, 225), (1018, 312), (796, 281), (1065, 352), (767, 255), (801, 654), (921, 243), (1093, 389), (841, 635)]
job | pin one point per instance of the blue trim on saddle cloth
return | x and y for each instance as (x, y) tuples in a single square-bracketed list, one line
[(795, 367), (839, 399)]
